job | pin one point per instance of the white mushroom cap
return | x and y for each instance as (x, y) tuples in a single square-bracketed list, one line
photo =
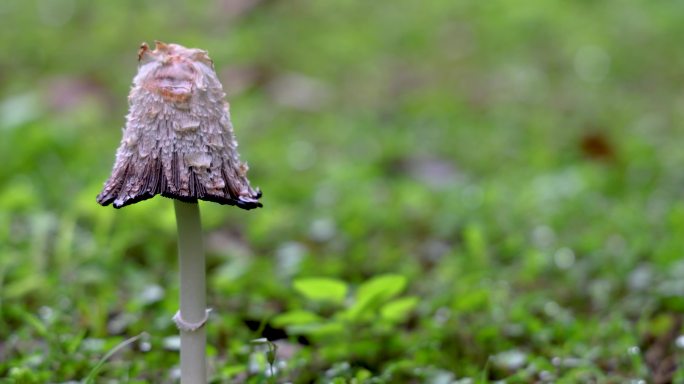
[(178, 141)]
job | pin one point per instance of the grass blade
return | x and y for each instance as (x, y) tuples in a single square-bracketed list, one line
[(93, 373)]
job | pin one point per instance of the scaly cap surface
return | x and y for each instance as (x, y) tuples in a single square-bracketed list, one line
[(178, 141)]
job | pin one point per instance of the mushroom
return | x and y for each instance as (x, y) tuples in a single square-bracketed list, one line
[(178, 142)]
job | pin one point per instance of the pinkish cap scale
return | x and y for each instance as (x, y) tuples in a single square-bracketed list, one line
[(178, 141)]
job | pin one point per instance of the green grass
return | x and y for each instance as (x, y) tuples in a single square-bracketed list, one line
[(471, 191)]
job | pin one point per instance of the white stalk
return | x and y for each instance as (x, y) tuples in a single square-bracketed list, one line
[(193, 312)]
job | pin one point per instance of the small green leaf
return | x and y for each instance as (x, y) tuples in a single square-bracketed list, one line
[(382, 287), (673, 303), (322, 330), (375, 292), (72, 344), (232, 370), (321, 289), (328, 329), (23, 287), (362, 375), (397, 310), (296, 317), (473, 300), (37, 325)]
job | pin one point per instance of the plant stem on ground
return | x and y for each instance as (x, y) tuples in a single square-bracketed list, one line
[(192, 292)]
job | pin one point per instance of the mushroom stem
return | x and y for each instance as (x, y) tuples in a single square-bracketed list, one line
[(193, 312)]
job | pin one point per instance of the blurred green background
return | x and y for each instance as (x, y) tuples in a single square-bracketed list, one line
[(454, 191)]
